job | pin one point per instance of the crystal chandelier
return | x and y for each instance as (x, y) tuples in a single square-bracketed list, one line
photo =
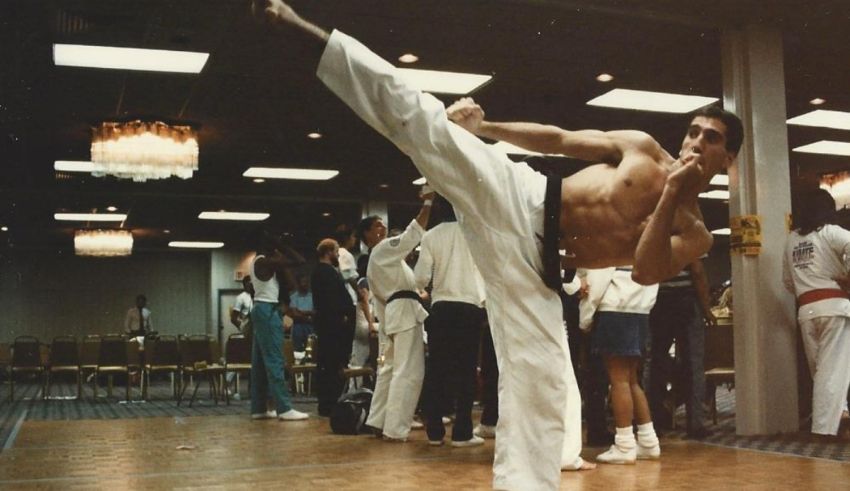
[(141, 150), (103, 243)]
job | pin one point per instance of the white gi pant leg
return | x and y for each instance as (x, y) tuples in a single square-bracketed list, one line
[(571, 454), (378, 407), (827, 344), (399, 383), (500, 204)]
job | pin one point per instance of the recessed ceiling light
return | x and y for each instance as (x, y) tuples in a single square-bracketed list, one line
[(111, 208), (154, 60), (90, 217), (642, 100), (326, 214), (408, 58), (817, 101), (715, 194), (166, 231), (823, 118), (420, 181), (826, 147), (233, 215), (604, 77), (4, 228), (383, 186), (195, 244), (259, 180), (291, 173), (721, 231), (443, 82), (720, 180), (314, 135)]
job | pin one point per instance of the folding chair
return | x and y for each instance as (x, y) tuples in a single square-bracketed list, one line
[(64, 358)]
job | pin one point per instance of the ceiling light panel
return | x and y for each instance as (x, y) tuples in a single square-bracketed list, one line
[(194, 244), (715, 194), (443, 82), (720, 180), (233, 215), (642, 100), (90, 217), (291, 173), (152, 60), (823, 118), (826, 147)]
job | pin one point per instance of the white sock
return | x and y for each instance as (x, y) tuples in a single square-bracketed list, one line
[(624, 438), (646, 435)]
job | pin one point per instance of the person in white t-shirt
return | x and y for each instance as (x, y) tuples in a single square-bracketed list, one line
[(815, 269)]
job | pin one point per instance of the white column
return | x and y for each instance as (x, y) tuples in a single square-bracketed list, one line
[(765, 324)]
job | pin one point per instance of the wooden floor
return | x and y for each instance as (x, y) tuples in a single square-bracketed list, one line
[(233, 452)]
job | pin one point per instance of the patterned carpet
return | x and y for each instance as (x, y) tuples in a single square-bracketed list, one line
[(28, 405)]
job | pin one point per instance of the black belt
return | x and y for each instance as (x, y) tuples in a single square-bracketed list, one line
[(409, 294), (551, 232)]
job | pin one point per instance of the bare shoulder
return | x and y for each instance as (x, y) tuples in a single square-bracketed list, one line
[(636, 140)]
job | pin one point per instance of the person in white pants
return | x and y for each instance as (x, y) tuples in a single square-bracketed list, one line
[(647, 211), (402, 349), (815, 270)]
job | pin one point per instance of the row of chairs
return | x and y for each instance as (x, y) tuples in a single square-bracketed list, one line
[(191, 356)]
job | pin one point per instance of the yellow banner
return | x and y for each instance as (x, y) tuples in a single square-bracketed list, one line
[(745, 236)]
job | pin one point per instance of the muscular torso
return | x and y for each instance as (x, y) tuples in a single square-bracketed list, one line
[(605, 208)]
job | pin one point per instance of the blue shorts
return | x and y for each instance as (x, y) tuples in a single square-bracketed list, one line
[(620, 334)]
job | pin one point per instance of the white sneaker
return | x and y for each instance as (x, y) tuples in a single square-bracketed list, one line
[(648, 453), (436, 443), (616, 455), (416, 425), (446, 420), (485, 431), (293, 415), (472, 442), (266, 415)]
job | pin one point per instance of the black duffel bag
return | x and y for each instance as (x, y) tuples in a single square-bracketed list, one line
[(348, 416)]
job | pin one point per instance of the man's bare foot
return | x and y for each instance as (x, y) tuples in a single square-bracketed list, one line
[(582, 466)]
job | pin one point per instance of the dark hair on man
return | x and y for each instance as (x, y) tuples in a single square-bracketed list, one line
[(268, 242), (734, 126), (364, 226), (141, 297), (815, 209), (342, 233)]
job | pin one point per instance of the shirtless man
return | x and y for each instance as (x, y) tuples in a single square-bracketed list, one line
[(639, 207)]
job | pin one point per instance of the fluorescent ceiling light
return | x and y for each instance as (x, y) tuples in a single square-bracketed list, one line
[(152, 60), (420, 181), (291, 173), (233, 215), (823, 118), (73, 166), (826, 147), (642, 100), (443, 82), (720, 180), (195, 244), (721, 231), (715, 194), (90, 217)]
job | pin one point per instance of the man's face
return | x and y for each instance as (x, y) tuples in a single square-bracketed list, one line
[(706, 142), (303, 284), (376, 233)]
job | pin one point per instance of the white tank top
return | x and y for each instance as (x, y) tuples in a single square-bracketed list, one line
[(264, 291)]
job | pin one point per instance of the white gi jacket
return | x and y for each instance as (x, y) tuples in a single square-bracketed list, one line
[(446, 259), (388, 273), (811, 262)]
